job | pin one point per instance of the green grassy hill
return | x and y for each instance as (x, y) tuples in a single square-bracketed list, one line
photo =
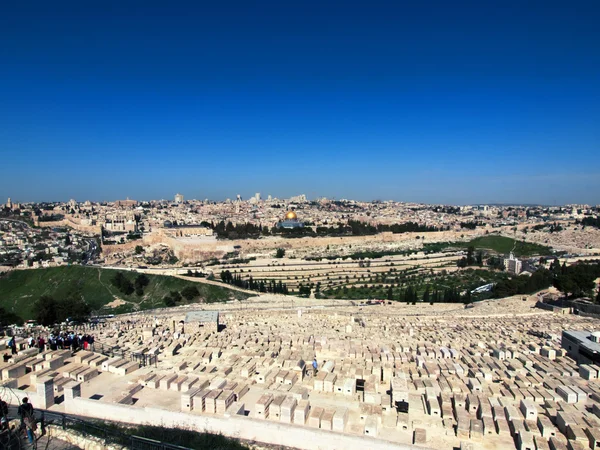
[(500, 244), (505, 245), (21, 288)]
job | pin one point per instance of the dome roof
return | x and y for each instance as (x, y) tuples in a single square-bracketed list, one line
[(291, 215)]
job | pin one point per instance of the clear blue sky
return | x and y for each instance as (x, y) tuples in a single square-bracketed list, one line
[(441, 102)]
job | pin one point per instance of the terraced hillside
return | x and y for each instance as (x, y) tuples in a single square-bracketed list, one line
[(20, 289), (339, 274), (384, 273)]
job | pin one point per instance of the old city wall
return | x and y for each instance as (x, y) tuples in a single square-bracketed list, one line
[(358, 241), (71, 223), (197, 249)]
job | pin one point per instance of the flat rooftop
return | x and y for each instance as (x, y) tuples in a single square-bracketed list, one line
[(202, 316), (584, 338)]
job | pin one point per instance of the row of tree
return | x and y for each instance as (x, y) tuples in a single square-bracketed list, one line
[(448, 295), (237, 231), (410, 295), (590, 222), (358, 228), (575, 281), (254, 285), (352, 228)]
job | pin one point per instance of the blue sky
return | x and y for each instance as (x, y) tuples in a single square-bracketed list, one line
[(440, 102)]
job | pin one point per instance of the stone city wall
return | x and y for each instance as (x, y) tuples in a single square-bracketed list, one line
[(80, 440), (70, 222), (202, 249), (250, 245)]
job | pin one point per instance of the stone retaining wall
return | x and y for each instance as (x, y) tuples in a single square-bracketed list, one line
[(80, 440)]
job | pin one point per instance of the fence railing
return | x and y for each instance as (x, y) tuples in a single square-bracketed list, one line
[(143, 358), (114, 435)]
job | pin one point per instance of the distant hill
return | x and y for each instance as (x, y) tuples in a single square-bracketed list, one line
[(21, 288)]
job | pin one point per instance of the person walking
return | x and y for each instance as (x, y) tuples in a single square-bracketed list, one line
[(13, 345), (25, 412), (41, 344), (314, 366)]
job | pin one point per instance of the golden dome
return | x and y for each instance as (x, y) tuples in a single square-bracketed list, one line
[(291, 216)]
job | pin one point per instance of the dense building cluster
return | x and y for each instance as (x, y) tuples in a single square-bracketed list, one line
[(197, 231)]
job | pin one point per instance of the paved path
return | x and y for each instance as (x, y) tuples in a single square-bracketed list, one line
[(216, 283)]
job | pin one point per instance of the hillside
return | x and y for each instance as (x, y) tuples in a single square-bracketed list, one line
[(20, 289), (500, 244), (504, 245)]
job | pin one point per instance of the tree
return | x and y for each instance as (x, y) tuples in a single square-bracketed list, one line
[(73, 307), (172, 299), (426, 294), (122, 283), (495, 262), (9, 318), (468, 297), (46, 310), (140, 283), (470, 258), (576, 280), (280, 253), (142, 280), (139, 249), (190, 292), (50, 311)]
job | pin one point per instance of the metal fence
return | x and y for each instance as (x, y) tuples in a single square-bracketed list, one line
[(17, 440), (143, 359)]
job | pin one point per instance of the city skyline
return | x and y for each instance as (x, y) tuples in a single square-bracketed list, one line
[(443, 104), (274, 198)]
